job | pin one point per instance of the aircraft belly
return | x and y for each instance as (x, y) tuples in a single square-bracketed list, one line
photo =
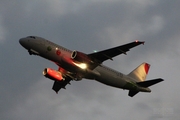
[(111, 79), (114, 82)]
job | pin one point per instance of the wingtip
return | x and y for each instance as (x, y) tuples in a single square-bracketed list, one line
[(55, 91), (160, 79), (141, 42)]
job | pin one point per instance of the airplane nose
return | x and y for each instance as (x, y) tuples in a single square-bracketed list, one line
[(23, 42)]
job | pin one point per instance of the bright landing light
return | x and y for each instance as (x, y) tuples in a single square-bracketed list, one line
[(81, 65)]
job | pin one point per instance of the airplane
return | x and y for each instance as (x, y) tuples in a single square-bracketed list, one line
[(76, 65)]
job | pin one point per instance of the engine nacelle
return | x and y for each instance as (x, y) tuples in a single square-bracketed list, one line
[(53, 74), (80, 57)]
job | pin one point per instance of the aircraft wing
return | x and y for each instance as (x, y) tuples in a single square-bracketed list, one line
[(61, 84), (112, 52)]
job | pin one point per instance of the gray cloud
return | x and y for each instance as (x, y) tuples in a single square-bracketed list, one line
[(85, 26)]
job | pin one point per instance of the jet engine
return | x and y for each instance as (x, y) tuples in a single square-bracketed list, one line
[(80, 57), (52, 74)]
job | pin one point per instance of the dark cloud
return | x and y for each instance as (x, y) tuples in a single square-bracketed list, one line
[(85, 26)]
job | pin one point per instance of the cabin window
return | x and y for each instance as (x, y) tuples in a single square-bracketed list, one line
[(32, 37)]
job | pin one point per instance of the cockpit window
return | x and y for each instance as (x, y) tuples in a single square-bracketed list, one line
[(31, 37)]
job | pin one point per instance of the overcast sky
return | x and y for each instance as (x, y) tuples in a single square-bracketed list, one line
[(88, 25)]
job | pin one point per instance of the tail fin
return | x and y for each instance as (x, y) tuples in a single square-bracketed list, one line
[(140, 73)]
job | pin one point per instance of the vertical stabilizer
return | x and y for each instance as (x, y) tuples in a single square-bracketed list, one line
[(140, 73)]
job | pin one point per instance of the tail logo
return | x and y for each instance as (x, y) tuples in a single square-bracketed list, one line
[(146, 67)]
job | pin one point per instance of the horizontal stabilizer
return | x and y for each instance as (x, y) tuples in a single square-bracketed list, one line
[(144, 84), (132, 93), (149, 82)]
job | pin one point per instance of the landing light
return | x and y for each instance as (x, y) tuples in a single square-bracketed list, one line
[(81, 65)]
